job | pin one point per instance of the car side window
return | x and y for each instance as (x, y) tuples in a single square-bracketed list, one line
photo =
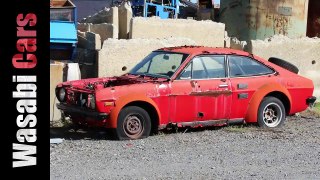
[(204, 67), (241, 66)]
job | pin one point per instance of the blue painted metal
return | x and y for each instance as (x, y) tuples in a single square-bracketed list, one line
[(63, 26), (148, 8), (63, 32)]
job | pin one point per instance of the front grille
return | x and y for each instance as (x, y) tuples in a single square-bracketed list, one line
[(82, 99)]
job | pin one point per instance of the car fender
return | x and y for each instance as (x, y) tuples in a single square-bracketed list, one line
[(252, 111), (125, 100)]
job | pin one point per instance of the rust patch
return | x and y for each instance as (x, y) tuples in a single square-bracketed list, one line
[(196, 124), (211, 93), (193, 84), (281, 24)]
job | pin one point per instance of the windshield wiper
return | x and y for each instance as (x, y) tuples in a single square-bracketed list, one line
[(151, 75)]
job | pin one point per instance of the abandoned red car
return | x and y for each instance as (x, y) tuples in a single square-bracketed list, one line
[(188, 87)]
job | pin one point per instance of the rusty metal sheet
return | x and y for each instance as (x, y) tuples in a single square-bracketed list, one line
[(286, 11), (261, 19), (211, 93)]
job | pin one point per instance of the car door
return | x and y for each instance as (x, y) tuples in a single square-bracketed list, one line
[(246, 76), (202, 90)]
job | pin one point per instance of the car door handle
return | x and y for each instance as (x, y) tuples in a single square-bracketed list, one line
[(223, 85)]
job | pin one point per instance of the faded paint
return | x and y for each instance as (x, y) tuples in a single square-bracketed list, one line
[(252, 112), (217, 100), (259, 19)]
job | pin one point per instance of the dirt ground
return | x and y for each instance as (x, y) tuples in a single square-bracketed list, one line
[(231, 152)]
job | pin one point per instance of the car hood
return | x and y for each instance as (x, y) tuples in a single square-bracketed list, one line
[(93, 84)]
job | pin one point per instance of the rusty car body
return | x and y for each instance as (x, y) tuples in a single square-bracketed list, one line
[(187, 87)]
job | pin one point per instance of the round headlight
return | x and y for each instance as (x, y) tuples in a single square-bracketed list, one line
[(62, 95)]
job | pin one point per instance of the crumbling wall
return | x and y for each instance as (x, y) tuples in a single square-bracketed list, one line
[(105, 30), (105, 23), (125, 15), (206, 33), (107, 15), (233, 42), (115, 54), (89, 40), (302, 52)]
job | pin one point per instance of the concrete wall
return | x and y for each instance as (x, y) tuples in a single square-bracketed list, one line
[(206, 33), (56, 77), (89, 40), (260, 19), (107, 15), (118, 53), (302, 52), (105, 30), (125, 15), (83, 27)]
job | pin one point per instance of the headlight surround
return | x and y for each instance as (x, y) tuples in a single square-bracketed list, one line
[(61, 95), (92, 101)]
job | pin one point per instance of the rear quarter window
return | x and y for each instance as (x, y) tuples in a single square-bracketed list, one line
[(242, 66)]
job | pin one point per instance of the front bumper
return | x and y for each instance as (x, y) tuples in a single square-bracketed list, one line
[(80, 111), (311, 100)]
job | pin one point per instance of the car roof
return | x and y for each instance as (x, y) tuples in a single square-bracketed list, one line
[(195, 50)]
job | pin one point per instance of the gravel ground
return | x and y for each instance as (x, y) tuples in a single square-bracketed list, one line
[(234, 152)]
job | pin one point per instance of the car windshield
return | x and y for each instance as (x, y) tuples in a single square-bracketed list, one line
[(159, 64)]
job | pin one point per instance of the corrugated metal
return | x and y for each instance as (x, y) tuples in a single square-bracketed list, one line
[(259, 19)]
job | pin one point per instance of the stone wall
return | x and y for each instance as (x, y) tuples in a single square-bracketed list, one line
[(206, 33), (125, 15), (115, 54)]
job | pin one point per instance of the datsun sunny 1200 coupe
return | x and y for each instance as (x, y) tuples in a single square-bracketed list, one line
[(188, 87)]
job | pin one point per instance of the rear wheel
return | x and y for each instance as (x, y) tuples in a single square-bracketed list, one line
[(271, 113), (133, 123)]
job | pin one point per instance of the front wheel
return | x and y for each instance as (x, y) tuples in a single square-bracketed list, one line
[(271, 113), (133, 123)]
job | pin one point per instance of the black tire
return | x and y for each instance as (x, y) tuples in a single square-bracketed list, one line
[(271, 113), (133, 123), (284, 64)]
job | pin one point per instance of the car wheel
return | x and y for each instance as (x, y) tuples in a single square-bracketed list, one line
[(133, 123), (271, 113)]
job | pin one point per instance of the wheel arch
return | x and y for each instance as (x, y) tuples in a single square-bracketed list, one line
[(151, 110), (271, 89), (139, 100), (283, 98)]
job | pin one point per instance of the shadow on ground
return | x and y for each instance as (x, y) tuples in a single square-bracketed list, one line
[(106, 134)]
